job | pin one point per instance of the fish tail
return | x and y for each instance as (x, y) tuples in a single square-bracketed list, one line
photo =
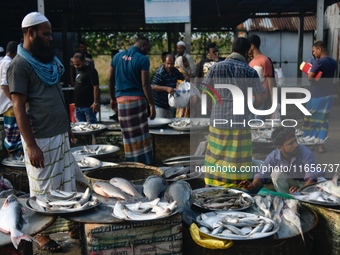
[(277, 218), (335, 179), (16, 239), (267, 214)]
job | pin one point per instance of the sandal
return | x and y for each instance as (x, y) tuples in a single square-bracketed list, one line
[(51, 245)]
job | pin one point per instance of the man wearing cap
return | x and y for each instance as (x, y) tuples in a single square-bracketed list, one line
[(290, 165), (41, 113), (191, 69), (12, 140), (2, 53)]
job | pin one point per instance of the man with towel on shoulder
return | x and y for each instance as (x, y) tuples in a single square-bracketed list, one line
[(41, 113), (290, 165)]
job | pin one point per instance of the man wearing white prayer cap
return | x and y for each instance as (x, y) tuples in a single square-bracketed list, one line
[(191, 69), (42, 116), (32, 19)]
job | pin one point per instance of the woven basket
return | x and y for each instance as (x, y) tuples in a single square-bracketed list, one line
[(134, 172), (18, 177)]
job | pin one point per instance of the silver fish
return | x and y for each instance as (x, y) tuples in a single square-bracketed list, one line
[(118, 211), (314, 195), (292, 204), (290, 216), (234, 229), (58, 195), (217, 230), (63, 203), (11, 220), (277, 205), (153, 186), (33, 203), (331, 186), (125, 186), (85, 197), (42, 201), (181, 192), (259, 201), (204, 230), (268, 226), (149, 216), (257, 229), (176, 171), (105, 189)]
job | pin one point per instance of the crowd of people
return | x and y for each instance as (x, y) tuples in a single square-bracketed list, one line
[(32, 102)]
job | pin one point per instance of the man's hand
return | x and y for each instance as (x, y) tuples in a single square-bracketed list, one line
[(95, 107), (152, 112), (246, 185), (293, 189), (170, 90), (36, 156), (113, 105)]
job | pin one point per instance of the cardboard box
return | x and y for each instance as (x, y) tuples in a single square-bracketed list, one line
[(163, 236)]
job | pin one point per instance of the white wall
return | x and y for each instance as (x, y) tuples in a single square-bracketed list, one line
[(332, 24), (282, 48)]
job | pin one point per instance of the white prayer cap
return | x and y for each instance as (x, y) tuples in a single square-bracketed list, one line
[(181, 43), (32, 19), (1, 49)]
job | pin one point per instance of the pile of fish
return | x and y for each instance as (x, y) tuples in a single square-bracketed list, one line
[(264, 136), (276, 208), (187, 122), (261, 133), (62, 202), (184, 122), (15, 159), (327, 192), (84, 163), (115, 126), (87, 150), (144, 210), (235, 225), (118, 188), (85, 127), (310, 140), (12, 221), (175, 173), (221, 199), (156, 199)]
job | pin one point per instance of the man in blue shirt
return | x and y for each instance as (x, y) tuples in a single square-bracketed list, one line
[(290, 166), (163, 83), (131, 98)]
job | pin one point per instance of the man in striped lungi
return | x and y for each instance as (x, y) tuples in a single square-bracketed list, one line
[(131, 97), (41, 113), (229, 146)]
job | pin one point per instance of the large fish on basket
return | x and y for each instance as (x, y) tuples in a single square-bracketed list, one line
[(181, 192), (331, 186), (11, 220)]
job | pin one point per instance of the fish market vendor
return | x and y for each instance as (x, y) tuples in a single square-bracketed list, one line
[(290, 166)]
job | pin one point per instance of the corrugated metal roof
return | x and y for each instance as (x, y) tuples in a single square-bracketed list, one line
[(277, 24)]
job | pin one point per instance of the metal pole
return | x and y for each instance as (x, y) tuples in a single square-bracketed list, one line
[(41, 6), (319, 20)]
